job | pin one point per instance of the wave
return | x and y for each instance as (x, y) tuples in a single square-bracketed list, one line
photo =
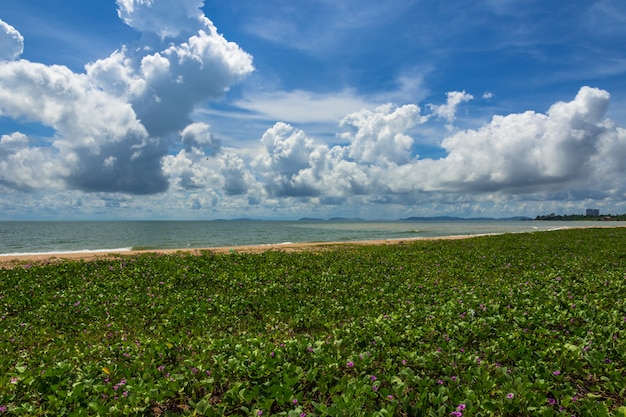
[(67, 252)]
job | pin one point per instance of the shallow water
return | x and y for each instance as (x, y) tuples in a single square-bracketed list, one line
[(28, 237)]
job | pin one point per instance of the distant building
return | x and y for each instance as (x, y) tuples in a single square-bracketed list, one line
[(592, 212)]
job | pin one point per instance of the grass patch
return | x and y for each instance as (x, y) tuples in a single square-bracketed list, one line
[(517, 324)]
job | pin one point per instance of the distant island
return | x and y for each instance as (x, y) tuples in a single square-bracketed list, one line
[(573, 217), (409, 219)]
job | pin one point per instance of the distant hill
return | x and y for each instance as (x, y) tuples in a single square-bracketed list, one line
[(453, 218)]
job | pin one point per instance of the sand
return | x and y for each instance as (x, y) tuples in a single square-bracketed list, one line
[(10, 261)]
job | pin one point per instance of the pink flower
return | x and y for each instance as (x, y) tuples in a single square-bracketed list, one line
[(557, 373), (294, 401), (551, 401), (510, 395), (373, 378), (350, 364), (374, 387), (460, 407)]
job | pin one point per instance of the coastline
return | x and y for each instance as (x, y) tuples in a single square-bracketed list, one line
[(11, 261)]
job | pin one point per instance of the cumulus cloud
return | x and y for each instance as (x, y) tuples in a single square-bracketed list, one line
[(378, 137), (448, 111), (114, 123), (26, 169), (525, 151), (203, 164), (165, 86), (101, 143), (125, 126), (571, 148), (11, 42), (166, 18)]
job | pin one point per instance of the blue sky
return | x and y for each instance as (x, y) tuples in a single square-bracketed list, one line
[(191, 109)]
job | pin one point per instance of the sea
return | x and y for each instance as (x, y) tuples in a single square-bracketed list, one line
[(58, 237)]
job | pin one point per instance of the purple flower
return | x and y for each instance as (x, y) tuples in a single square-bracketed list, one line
[(294, 401), (510, 395), (259, 413), (551, 401), (440, 381), (556, 373), (374, 387), (456, 414), (460, 407), (3, 408), (302, 414), (373, 378), (390, 397), (350, 364)]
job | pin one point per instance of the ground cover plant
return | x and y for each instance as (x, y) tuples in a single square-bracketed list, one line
[(511, 325)]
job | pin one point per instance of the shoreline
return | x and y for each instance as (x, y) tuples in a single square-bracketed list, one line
[(10, 261)]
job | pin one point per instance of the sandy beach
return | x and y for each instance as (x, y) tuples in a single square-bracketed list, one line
[(10, 261)]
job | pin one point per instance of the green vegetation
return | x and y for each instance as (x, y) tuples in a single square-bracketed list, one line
[(510, 325)]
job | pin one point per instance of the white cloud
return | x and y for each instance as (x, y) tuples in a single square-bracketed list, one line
[(378, 136), (164, 87), (113, 123), (166, 18), (198, 136), (571, 148), (448, 111), (25, 168), (125, 127), (303, 106), (11, 42), (527, 152)]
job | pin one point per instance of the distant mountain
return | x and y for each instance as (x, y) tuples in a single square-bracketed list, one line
[(453, 218), (447, 218), (347, 219), (310, 219)]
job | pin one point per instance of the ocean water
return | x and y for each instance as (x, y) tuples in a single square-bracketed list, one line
[(32, 237)]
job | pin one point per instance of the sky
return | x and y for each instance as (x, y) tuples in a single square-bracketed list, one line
[(207, 109)]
